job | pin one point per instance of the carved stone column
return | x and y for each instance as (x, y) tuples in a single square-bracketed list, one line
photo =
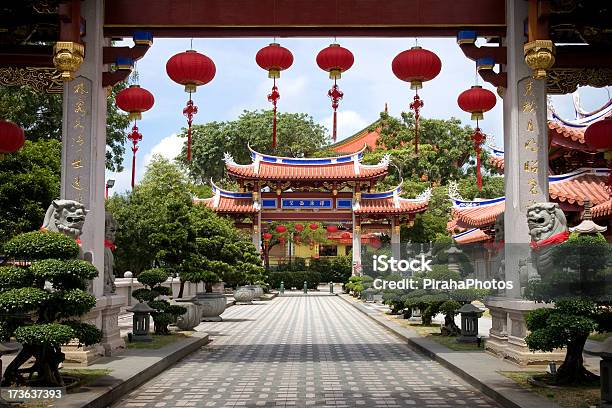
[(395, 238), (356, 246)]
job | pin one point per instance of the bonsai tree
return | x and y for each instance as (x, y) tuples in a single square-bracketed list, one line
[(40, 304), (579, 287), (164, 313)]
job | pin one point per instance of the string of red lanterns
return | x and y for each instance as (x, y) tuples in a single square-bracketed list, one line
[(274, 59), (134, 100), (335, 60), (416, 65), (476, 101), (191, 69), (12, 137)]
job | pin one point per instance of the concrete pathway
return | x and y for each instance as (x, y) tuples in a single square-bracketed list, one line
[(301, 351)]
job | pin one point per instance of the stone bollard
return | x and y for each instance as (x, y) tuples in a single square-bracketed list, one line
[(281, 290), (305, 287), (331, 287), (130, 275)]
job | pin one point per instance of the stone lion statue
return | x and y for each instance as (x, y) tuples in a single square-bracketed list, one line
[(547, 228), (65, 216), (110, 228)]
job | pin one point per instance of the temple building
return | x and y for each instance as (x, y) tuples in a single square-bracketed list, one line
[(337, 191)]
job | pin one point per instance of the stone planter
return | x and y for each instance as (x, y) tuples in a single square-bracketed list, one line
[(258, 290), (244, 296), (190, 319), (212, 304)]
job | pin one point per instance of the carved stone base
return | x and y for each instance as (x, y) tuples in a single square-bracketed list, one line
[(508, 332), (104, 316)]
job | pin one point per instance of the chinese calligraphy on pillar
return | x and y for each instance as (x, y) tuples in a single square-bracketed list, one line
[(76, 166), (532, 143)]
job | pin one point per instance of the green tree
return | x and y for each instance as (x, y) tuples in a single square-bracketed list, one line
[(40, 114), (580, 290), (298, 135), (39, 304), (29, 181)]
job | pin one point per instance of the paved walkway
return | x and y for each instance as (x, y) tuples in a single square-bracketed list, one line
[(302, 351)]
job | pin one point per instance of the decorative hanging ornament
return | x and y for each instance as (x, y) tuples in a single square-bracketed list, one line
[(335, 60), (332, 228), (274, 59), (12, 137), (299, 227), (191, 69), (313, 226), (267, 236), (598, 136), (281, 229), (134, 100), (416, 65), (476, 101)]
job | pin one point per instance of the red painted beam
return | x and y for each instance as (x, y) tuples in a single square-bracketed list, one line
[(229, 18)]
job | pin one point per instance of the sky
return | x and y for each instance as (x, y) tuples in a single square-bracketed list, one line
[(240, 84)]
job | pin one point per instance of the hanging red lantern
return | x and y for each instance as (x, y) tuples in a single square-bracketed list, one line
[(416, 65), (134, 100), (274, 59), (476, 101), (598, 136), (267, 236), (332, 228), (346, 235), (335, 60), (191, 69), (12, 137), (281, 229), (313, 226), (299, 227)]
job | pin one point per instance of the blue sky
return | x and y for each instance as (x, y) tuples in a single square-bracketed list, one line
[(241, 84)]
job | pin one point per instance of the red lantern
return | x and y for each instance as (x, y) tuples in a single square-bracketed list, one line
[(346, 235), (335, 60), (281, 229), (332, 228), (274, 59), (12, 137), (416, 66), (313, 226), (191, 69), (267, 236), (476, 101), (134, 100), (598, 136), (299, 227)]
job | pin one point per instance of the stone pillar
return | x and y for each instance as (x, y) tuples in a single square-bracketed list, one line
[(256, 233), (395, 238), (526, 182), (83, 167), (356, 246)]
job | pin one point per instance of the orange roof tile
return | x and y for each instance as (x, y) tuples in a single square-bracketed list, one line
[(355, 143), (471, 236), (586, 183), (276, 171), (574, 134), (602, 210), (478, 216), (497, 162), (388, 206), (228, 205)]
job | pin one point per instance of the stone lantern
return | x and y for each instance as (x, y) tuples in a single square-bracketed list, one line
[(453, 258), (141, 322), (469, 323), (368, 294)]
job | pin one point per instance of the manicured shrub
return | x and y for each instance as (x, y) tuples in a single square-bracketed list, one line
[(39, 304), (333, 269)]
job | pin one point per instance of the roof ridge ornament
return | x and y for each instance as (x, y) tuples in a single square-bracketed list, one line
[(228, 158), (425, 195), (453, 191)]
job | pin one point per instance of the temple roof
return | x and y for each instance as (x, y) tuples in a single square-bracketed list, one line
[(390, 202), (355, 143), (602, 210), (268, 167), (471, 236), (224, 201), (572, 188)]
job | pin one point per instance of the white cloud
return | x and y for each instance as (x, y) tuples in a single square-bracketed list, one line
[(349, 122), (169, 147)]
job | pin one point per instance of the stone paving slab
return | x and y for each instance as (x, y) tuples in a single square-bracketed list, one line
[(130, 369), (304, 351), (478, 368)]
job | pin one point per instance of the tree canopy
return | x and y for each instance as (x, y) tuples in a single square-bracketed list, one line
[(297, 133)]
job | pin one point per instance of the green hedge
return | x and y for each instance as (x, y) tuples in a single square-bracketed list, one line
[(41, 245), (295, 279), (333, 269)]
